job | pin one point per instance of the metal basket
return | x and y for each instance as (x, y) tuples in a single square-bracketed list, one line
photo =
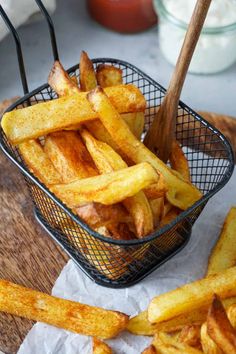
[(116, 263)]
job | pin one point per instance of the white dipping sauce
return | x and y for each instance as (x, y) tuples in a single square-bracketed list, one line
[(215, 51)]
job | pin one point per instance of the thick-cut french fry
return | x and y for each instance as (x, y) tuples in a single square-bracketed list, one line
[(100, 347), (65, 112), (169, 345), (69, 155), (107, 160), (219, 327), (141, 326), (96, 215), (208, 345), (170, 216), (231, 313), (180, 193), (192, 296), (61, 82), (87, 74), (108, 75), (70, 315), (107, 189), (39, 163), (223, 255), (179, 162), (157, 206), (150, 350), (190, 335), (135, 121)]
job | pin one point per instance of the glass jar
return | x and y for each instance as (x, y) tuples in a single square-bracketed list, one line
[(216, 48)]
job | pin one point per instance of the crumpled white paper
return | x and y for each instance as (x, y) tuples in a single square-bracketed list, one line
[(186, 266), (19, 11)]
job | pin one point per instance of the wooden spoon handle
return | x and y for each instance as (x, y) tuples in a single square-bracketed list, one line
[(190, 42)]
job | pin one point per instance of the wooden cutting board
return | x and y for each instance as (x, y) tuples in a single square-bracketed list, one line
[(28, 256)]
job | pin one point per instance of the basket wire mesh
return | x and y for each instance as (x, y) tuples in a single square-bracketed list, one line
[(121, 263)]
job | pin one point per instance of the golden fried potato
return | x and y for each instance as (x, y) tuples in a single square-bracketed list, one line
[(69, 155), (170, 216), (150, 350), (61, 82), (107, 160), (107, 189), (180, 193), (100, 347), (65, 112), (166, 344), (157, 206), (231, 313), (192, 296), (219, 327), (208, 345), (39, 163), (108, 75), (87, 79), (70, 315), (223, 255), (190, 335), (179, 162)]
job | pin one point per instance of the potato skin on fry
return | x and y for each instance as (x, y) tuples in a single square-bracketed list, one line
[(69, 156), (65, 112), (100, 347), (180, 193), (39, 163), (70, 315), (87, 74), (192, 296), (223, 255), (60, 81), (107, 189)]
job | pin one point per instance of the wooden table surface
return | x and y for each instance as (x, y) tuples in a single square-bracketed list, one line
[(28, 256)]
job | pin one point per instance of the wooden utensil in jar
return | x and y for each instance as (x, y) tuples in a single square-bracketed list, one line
[(162, 131)]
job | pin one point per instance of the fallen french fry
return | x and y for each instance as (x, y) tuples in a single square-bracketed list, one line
[(108, 75), (65, 112), (39, 163), (165, 344), (87, 75), (219, 327), (61, 82), (107, 189), (179, 162), (180, 193), (192, 296), (223, 255), (100, 347), (150, 350), (70, 315), (208, 345), (107, 160)]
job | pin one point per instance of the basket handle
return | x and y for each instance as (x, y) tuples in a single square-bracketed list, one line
[(18, 49)]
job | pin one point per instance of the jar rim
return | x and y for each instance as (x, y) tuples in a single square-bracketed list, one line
[(206, 30)]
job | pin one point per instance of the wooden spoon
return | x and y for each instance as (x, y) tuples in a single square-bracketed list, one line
[(162, 131)]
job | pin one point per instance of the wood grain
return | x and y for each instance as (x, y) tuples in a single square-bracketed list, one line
[(28, 256)]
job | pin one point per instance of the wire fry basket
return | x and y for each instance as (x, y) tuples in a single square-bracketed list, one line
[(122, 263)]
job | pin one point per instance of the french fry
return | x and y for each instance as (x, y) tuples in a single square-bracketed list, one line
[(150, 350), (108, 75), (223, 255), (157, 206), (190, 335), (100, 347), (69, 156), (87, 74), (135, 121), (180, 193), (208, 345), (107, 189), (169, 345), (39, 163), (179, 162), (192, 296), (70, 315), (107, 160), (170, 216), (65, 112), (61, 82), (231, 313), (219, 327)]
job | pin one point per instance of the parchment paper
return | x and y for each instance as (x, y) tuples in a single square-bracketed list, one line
[(186, 266)]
